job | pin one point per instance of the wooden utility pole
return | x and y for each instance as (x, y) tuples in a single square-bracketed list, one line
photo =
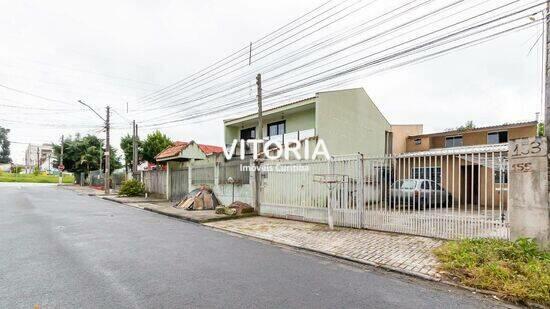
[(134, 149), (250, 55), (260, 136), (38, 158), (547, 73), (546, 29), (107, 152), (260, 133), (60, 163)]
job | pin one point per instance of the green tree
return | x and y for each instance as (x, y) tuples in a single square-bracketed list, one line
[(83, 154), (540, 129), (154, 144), (467, 126), (4, 146), (127, 146)]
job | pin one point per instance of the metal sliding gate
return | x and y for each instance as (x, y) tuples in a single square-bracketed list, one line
[(451, 193)]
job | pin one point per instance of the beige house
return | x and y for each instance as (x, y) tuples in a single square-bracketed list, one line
[(450, 159), (347, 121), (478, 136)]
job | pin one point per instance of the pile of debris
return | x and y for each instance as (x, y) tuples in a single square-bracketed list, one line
[(199, 199), (236, 208)]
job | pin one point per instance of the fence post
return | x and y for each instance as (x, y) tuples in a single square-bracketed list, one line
[(361, 189), (528, 190), (190, 176), (168, 182), (330, 203)]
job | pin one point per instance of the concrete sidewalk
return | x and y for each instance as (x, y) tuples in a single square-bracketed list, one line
[(403, 253)]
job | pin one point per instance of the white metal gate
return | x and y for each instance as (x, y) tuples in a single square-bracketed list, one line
[(450, 193)]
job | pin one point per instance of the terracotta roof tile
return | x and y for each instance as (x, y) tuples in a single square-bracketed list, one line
[(178, 147)]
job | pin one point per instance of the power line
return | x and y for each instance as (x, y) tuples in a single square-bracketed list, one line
[(34, 95), (200, 104), (235, 104)]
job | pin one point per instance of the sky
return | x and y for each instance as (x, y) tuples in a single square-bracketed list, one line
[(115, 52)]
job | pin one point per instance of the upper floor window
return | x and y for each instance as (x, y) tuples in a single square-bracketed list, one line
[(249, 133), (497, 137), (417, 141), (453, 141), (276, 128)]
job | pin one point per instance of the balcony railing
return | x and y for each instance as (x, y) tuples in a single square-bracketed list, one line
[(292, 136)]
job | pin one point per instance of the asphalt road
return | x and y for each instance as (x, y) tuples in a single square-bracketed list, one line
[(59, 249)]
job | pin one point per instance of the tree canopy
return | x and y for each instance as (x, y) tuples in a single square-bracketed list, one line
[(4, 146), (154, 144), (83, 154), (126, 144)]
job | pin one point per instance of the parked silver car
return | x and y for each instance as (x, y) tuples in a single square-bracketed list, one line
[(419, 192)]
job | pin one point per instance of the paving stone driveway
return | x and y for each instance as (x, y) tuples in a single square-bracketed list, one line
[(410, 254)]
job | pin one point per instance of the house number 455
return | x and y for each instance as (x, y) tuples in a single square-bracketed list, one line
[(522, 167)]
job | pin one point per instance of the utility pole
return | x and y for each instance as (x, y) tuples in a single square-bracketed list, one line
[(134, 149), (107, 146), (260, 136), (107, 152), (38, 158), (547, 73), (260, 132), (60, 163), (250, 55), (546, 29)]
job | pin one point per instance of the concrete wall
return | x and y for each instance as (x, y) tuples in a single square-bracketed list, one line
[(243, 193), (400, 134), (349, 122)]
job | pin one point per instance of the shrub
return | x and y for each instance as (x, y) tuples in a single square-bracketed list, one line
[(132, 187), (519, 270)]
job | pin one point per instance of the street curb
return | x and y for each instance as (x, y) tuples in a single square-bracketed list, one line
[(386, 267), (196, 220), (112, 200)]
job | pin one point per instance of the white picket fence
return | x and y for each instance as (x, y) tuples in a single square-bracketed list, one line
[(447, 194)]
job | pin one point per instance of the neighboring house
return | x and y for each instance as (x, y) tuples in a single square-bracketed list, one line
[(400, 134), (347, 120), (41, 156), (471, 164), (181, 152), (472, 137), (5, 167)]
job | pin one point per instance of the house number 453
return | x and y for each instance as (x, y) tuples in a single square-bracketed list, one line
[(533, 147)]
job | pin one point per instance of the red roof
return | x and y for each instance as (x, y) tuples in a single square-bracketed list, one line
[(178, 147)]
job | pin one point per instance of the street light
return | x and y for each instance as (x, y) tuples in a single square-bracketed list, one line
[(107, 144)]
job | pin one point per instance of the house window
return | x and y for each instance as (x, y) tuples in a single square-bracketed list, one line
[(497, 137), (417, 141), (430, 173), (453, 141), (276, 128), (249, 133), (388, 143)]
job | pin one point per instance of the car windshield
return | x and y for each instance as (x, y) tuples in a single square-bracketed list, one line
[(408, 184), (397, 184)]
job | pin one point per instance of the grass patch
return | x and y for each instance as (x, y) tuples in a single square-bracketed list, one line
[(519, 270), (9, 177)]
